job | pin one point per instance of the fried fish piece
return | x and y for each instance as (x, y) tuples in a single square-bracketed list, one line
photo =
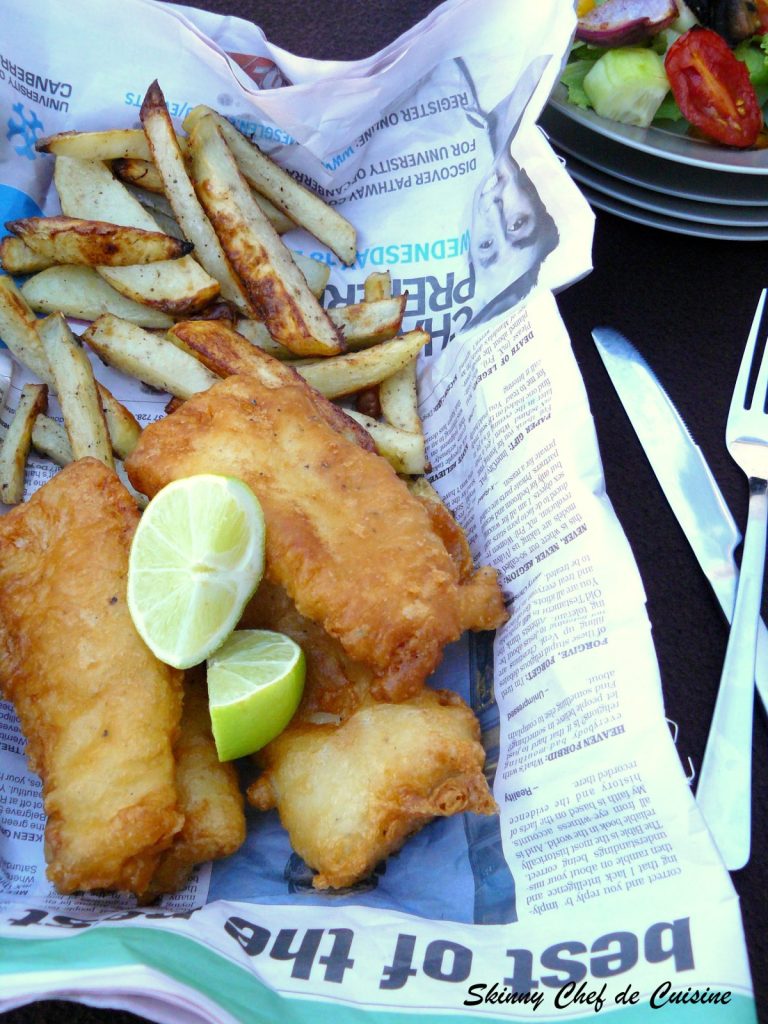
[(355, 551), (350, 794), (209, 796), (99, 711)]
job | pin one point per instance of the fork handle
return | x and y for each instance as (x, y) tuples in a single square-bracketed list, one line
[(724, 790)]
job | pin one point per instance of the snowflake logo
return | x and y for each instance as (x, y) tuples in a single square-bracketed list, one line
[(28, 129)]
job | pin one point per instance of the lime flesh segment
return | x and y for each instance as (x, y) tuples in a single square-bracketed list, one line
[(255, 683), (196, 558)]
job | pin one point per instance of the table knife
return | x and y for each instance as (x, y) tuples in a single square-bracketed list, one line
[(683, 474)]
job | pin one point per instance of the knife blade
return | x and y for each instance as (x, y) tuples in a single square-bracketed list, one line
[(683, 474)]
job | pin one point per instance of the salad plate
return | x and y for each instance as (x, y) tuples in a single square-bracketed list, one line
[(655, 219), (673, 143), (650, 171)]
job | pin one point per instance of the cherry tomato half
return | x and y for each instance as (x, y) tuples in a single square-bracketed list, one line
[(712, 88)]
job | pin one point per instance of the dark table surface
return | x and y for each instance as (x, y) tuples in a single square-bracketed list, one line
[(687, 303)]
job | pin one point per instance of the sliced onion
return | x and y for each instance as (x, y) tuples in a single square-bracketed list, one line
[(626, 22)]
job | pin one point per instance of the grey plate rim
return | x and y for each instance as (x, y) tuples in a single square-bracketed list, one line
[(669, 144)]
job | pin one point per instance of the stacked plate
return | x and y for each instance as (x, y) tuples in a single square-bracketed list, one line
[(661, 178)]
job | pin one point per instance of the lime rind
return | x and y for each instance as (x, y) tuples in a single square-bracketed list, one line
[(253, 698)]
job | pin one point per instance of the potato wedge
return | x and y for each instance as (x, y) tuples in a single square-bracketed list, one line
[(368, 323), (49, 439), (276, 289), (82, 293), (399, 399), (148, 357), (94, 243), (76, 390), (87, 189), (115, 144), (377, 285), (355, 371), (15, 448), (142, 173), (18, 329), (403, 450), (17, 258), (297, 202), (180, 193)]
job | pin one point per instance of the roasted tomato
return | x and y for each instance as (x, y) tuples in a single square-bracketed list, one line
[(712, 88)]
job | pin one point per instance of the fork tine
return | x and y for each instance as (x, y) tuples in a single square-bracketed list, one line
[(742, 381), (761, 384)]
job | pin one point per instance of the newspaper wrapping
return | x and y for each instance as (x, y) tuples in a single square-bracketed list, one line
[(597, 887)]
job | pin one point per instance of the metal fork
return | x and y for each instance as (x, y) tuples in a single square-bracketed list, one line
[(724, 790)]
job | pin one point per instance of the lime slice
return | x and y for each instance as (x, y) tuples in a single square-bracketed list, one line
[(196, 558), (255, 683)]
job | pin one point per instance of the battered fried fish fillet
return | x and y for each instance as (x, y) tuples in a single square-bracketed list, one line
[(209, 796), (350, 794), (99, 711), (355, 551)]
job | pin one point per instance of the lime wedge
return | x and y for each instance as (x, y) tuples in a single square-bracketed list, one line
[(255, 683), (196, 558)]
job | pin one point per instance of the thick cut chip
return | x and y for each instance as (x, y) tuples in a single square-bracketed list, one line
[(18, 329), (76, 390), (276, 288), (95, 242), (148, 357), (187, 210), (297, 202), (87, 189), (15, 447), (82, 293)]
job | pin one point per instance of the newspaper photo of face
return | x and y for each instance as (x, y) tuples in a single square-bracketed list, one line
[(511, 231)]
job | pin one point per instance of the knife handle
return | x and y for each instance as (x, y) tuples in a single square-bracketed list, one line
[(725, 784)]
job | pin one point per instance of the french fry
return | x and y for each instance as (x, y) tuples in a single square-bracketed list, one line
[(377, 286), (81, 293), (314, 272), (363, 324), (347, 374), (13, 454), (403, 450), (87, 189), (256, 332), (181, 195), (18, 329), (94, 243), (302, 206), (368, 323), (142, 173), (218, 347), (17, 258), (49, 438), (115, 144), (276, 289), (76, 390), (399, 399), (148, 357)]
